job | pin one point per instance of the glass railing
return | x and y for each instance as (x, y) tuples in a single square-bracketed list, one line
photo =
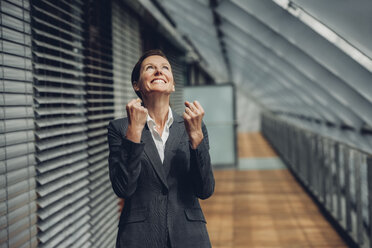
[(337, 175)]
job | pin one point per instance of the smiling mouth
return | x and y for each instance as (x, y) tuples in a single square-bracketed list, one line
[(158, 81)]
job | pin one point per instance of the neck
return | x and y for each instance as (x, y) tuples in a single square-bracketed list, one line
[(158, 108)]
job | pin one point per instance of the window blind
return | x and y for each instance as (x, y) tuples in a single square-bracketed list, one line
[(127, 45), (17, 159), (98, 68), (61, 128)]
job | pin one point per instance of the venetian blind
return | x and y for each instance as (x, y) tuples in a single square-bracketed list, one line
[(17, 160), (61, 129), (98, 69), (128, 49)]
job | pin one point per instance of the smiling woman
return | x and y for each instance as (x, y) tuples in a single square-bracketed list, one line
[(159, 162)]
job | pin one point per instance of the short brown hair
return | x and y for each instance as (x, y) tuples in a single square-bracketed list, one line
[(137, 68)]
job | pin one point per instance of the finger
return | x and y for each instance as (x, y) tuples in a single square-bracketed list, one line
[(189, 112), (191, 106), (186, 116), (198, 106)]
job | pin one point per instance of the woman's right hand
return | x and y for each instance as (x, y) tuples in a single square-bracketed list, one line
[(137, 117)]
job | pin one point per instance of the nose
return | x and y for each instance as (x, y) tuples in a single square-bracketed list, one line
[(158, 71)]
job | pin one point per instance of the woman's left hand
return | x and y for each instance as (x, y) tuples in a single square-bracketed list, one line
[(193, 117)]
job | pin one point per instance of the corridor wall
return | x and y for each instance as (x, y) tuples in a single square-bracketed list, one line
[(65, 74)]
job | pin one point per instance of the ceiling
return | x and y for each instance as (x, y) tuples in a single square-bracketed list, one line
[(273, 51)]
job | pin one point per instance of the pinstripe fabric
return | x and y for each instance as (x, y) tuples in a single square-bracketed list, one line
[(160, 196)]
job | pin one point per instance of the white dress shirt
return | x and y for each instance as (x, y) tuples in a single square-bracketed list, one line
[(160, 141)]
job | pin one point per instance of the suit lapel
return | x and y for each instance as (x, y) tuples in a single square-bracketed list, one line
[(176, 131), (153, 155)]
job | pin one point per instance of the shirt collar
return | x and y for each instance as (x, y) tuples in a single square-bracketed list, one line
[(151, 123)]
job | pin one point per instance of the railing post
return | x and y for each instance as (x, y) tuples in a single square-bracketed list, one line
[(338, 183), (347, 189), (358, 197), (369, 180)]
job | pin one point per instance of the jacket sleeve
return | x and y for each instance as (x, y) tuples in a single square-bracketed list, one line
[(201, 168), (124, 162)]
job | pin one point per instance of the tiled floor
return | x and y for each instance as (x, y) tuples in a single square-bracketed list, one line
[(264, 208)]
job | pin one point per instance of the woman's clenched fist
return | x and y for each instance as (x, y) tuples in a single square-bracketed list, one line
[(193, 117), (137, 116)]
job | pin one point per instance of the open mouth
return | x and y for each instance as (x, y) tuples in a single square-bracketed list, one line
[(158, 81)]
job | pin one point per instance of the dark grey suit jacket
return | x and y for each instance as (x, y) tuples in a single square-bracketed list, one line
[(161, 199)]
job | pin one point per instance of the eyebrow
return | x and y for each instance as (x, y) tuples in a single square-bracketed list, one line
[(154, 64)]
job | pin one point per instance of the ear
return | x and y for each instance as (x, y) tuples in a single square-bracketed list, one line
[(135, 86), (174, 88)]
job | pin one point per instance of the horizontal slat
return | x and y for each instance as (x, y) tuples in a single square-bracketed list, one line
[(62, 182), (59, 195), (101, 116), (57, 40), (49, 67), (55, 100), (65, 140), (16, 49), (79, 239), (56, 19), (51, 132), (44, 225), (18, 163), (99, 156), (101, 227), (20, 181), (61, 229), (14, 125), (105, 185), (16, 74), (23, 238), (14, 23), (76, 14), (60, 120), (16, 61), (15, 99), (13, 138), (22, 212), (94, 142), (100, 108), (98, 165), (62, 51), (16, 36), (112, 199), (60, 238), (60, 90), (14, 151), (7, 86), (13, 10), (98, 84), (96, 201), (65, 63), (16, 112), (22, 225), (51, 209), (58, 152), (60, 111), (98, 183), (61, 172), (21, 200), (101, 124), (55, 163)]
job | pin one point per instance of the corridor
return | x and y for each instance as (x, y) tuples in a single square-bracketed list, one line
[(258, 207)]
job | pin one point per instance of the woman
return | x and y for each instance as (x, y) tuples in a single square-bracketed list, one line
[(159, 163)]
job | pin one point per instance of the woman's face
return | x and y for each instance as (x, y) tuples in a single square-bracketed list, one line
[(155, 76)]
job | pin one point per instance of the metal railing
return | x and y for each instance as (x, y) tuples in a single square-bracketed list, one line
[(338, 176)]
